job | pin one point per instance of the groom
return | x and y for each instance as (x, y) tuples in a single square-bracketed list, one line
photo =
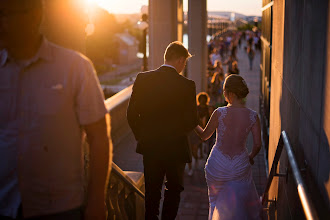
[(161, 112)]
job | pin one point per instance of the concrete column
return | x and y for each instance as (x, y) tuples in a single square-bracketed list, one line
[(180, 20), (163, 28), (197, 28)]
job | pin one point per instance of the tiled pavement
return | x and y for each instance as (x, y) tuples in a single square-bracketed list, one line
[(194, 199)]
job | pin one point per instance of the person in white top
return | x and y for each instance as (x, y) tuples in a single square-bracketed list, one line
[(214, 56), (232, 193)]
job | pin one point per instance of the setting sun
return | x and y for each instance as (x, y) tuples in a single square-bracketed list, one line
[(120, 6)]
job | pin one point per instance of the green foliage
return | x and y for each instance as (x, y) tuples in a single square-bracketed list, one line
[(245, 27), (249, 26)]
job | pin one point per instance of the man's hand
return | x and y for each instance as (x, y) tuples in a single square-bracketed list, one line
[(100, 145)]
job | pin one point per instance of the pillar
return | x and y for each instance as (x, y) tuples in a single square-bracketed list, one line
[(197, 28), (165, 24)]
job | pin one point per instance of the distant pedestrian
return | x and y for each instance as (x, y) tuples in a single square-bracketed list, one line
[(251, 54), (215, 55), (250, 40), (229, 63), (255, 41), (239, 42), (234, 69), (218, 67), (204, 112), (216, 88)]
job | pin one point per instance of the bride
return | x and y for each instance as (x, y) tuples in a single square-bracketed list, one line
[(232, 193)]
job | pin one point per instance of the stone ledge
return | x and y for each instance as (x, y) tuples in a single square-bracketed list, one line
[(137, 178)]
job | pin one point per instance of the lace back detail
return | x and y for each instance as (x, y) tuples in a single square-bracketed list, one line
[(221, 126), (253, 119)]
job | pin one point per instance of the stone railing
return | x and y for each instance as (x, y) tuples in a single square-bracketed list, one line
[(117, 106), (125, 198)]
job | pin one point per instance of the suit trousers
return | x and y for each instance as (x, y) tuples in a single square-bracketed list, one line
[(154, 171)]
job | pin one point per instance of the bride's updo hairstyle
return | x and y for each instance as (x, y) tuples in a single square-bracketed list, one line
[(237, 85)]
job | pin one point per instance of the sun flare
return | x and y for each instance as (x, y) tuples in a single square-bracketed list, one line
[(120, 6)]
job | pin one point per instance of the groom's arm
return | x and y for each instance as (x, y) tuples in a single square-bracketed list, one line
[(190, 114), (133, 116)]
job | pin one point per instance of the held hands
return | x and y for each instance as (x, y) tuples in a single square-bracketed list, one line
[(251, 159), (198, 130)]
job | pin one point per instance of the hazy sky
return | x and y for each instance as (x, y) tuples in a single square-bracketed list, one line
[(247, 7)]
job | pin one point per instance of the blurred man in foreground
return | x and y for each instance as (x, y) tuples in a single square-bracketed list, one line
[(49, 97)]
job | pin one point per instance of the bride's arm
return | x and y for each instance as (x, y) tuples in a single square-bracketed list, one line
[(210, 127), (256, 133)]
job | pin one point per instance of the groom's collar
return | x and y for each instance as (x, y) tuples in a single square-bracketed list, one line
[(169, 66)]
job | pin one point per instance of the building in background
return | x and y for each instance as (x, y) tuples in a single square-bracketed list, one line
[(128, 47)]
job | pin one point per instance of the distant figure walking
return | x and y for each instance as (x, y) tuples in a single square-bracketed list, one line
[(250, 53), (204, 111), (229, 62), (234, 69), (232, 193), (216, 88), (161, 112)]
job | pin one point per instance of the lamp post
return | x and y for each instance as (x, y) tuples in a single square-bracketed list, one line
[(255, 20), (143, 25)]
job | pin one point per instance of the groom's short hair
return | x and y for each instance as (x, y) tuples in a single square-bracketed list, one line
[(176, 50)]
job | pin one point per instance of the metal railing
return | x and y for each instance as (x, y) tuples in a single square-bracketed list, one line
[(124, 199), (305, 200)]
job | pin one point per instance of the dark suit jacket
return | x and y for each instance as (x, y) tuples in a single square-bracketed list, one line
[(161, 112)]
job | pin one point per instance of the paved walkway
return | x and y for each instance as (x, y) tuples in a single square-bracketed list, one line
[(194, 199)]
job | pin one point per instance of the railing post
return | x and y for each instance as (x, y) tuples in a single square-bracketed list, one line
[(272, 172)]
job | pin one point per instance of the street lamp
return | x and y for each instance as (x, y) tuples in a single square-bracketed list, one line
[(255, 20), (143, 26)]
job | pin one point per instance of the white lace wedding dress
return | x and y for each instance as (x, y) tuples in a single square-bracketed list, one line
[(232, 193)]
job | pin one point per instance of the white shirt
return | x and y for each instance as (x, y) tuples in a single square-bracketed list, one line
[(44, 102), (169, 66)]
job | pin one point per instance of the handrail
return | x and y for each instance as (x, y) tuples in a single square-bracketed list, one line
[(126, 180), (124, 198), (305, 200)]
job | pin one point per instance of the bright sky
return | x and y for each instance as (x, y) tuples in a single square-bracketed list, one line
[(247, 7)]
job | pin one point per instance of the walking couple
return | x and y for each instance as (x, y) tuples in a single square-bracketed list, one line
[(162, 111)]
